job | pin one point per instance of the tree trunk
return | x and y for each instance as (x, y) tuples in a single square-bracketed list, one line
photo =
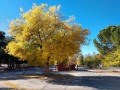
[(77, 67), (17, 66), (47, 66)]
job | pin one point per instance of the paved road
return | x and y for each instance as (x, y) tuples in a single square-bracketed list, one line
[(72, 80)]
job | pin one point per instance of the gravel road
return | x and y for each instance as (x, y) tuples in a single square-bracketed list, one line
[(70, 80)]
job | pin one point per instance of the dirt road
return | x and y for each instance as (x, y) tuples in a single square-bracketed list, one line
[(72, 80)]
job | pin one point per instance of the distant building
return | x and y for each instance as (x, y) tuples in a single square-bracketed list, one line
[(64, 67)]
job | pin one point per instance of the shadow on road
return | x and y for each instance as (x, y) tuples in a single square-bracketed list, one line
[(6, 89), (98, 82)]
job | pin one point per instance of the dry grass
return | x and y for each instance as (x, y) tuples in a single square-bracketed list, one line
[(107, 71), (12, 85), (15, 86), (49, 77)]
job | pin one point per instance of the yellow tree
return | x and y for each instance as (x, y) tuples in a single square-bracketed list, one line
[(40, 36), (112, 59)]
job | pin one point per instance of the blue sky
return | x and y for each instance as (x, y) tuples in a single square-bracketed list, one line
[(94, 15)]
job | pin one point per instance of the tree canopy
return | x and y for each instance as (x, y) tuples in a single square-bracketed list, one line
[(109, 39), (41, 36), (112, 59), (109, 45), (2, 44)]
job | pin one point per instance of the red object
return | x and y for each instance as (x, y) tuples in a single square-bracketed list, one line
[(64, 67), (72, 67)]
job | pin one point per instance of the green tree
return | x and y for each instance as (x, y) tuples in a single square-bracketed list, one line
[(109, 39), (89, 61), (4, 57), (2, 45), (80, 59), (93, 61), (98, 60)]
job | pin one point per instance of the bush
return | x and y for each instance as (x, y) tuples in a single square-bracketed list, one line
[(92, 61)]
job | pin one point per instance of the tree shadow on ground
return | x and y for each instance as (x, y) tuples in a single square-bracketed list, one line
[(98, 82), (6, 89)]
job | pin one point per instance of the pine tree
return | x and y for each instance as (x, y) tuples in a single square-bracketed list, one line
[(109, 39)]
